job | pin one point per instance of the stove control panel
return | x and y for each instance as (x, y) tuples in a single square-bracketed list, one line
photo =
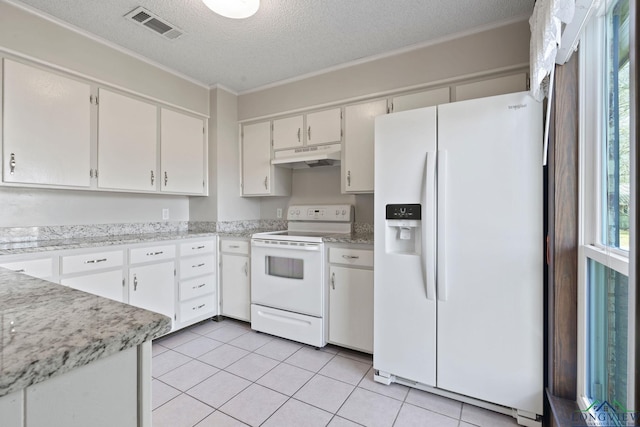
[(327, 213)]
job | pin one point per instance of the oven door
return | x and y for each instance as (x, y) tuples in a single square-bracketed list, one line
[(287, 275)]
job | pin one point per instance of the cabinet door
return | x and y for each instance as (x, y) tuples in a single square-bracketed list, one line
[(351, 307), (288, 133), (236, 301), (46, 127), (423, 99), (182, 152), (152, 287), (324, 127), (107, 284), (256, 159), (127, 143), (358, 146)]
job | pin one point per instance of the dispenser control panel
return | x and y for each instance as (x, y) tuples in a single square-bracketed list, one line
[(405, 211)]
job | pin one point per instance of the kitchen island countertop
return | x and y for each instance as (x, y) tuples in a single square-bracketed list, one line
[(48, 329)]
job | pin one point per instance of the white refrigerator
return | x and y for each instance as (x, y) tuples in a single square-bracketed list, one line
[(458, 277)]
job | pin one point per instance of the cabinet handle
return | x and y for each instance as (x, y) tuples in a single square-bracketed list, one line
[(309, 133), (350, 257), (95, 261), (234, 246), (348, 178), (19, 271), (299, 134), (333, 280), (135, 283), (166, 178), (12, 163), (155, 253), (198, 307), (195, 248), (246, 269), (199, 286), (153, 178), (198, 265), (266, 182)]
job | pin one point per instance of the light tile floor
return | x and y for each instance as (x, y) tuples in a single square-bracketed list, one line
[(223, 374)]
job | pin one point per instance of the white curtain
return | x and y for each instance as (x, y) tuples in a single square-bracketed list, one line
[(546, 33)]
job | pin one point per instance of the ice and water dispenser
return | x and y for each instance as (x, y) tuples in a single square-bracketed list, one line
[(403, 229)]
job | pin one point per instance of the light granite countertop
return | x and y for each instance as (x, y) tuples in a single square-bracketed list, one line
[(16, 248), (48, 329)]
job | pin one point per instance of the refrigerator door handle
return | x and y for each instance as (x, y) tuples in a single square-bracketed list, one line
[(441, 228), (428, 238)]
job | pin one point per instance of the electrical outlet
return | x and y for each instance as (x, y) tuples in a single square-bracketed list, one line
[(165, 214), (279, 213)]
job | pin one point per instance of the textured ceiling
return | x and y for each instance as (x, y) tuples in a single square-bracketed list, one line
[(284, 39)]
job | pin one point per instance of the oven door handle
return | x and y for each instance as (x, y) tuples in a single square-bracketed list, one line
[(286, 245)]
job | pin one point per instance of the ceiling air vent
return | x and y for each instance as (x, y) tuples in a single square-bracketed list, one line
[(154, 23)]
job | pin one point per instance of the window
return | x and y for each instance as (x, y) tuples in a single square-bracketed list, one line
[(606, 330)]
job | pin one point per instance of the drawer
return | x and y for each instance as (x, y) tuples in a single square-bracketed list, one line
[(197, 266), (198, 307), (34, 267), (359, 257), (197, 287), (151, 253), (235, 246), (92, 261), (195, 248)]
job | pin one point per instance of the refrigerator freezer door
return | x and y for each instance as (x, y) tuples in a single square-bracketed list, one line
[(405, 313), (490, 337)]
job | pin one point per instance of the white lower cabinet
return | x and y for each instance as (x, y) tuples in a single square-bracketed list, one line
[(235, 285), (104, 393), (153, 287), (197, 290), (351, 298), (99, 273), (39, 267), (107, 284)]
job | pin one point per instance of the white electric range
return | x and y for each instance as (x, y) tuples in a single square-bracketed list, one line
[(288, 290)]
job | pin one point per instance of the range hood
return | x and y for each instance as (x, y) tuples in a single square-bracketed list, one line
[(308, 157)]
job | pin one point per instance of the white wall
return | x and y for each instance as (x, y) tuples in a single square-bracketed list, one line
[(495, 50), (25, 207), (224, 202), (32, 37), (319, 186)]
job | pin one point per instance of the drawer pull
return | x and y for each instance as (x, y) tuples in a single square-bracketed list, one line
[(155, 253), (197, 265), (195, 248), (95, 261), (198, 307), (234, 246), (350, 257), (19, 271), (199, 286)]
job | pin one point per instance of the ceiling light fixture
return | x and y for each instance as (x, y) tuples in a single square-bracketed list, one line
[(236, 9)]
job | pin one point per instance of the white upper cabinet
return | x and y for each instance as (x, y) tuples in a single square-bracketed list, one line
[(423, 99), (256, 159), (127, 143), (288, 132), (259, 177), (357, 169), (183, 153), (324, 127), (46, 119)]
